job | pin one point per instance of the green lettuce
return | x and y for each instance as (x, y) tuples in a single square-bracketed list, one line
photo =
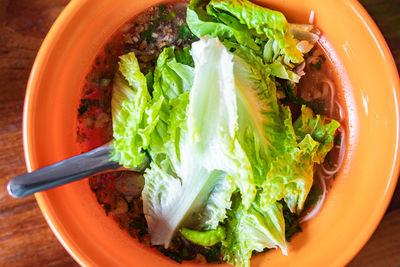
[(281, 71), (133, 118), (203, 24), (265, 129), (172, 82), (252, 229), (319, 129), (291, 176), (171, 78), (205, 153), (244, 22)]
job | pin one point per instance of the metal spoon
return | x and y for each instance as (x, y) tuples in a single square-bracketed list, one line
[(67, 171)]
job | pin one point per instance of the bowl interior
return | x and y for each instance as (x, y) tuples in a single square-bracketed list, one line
[(361, 191)]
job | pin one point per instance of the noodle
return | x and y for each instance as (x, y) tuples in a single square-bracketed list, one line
[(318, 205), (331, 97), (319, 86), (338, 165)]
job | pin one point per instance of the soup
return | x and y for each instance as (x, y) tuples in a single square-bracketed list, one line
[(147, 35)]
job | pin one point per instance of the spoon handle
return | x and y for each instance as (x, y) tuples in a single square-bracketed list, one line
[(63, 172)]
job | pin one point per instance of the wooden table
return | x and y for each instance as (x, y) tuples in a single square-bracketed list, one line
[(25, 238)]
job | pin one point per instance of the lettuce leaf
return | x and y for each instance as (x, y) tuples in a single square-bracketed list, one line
[(205, 152), (133, 118), (243, 22), (171, 78), (279, 70), (202, 24), (291, 176), (265, 129), (172, 82), (252, 229), (319, 129), (264, 21)]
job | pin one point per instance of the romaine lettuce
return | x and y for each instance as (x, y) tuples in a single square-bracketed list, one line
[(252, 229), (208, 151), (244, 22), (133, 118), (320, 130)]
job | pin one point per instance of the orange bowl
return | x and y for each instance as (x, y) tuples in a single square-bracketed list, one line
[(361, 191)]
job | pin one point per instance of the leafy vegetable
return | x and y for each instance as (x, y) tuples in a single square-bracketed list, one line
[(291, 176), (252, 229), (172, 82), (320, 130), (243, 22), (204, 154), (133, 118), (316, 107), (292, 225), (313, 197), (183, 56), (264, 21), (149, 81), (185, 33), (280, 71), (171, 78)]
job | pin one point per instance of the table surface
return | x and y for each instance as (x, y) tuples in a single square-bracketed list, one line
[(25, 237)]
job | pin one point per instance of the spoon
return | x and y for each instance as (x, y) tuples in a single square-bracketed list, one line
[(67, 171)]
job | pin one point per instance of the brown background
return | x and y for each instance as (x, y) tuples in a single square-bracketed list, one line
[(25, 238)]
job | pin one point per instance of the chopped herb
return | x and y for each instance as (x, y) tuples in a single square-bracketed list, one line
[(107, 208), (172, 255), (292, 225), (150, 81), (137, 224), (255, 252), (185, 33), (139, 227), (318, 108), (213, 254), (84, 106), (170, 16), (317, 66), (329, 160), (313, 197), (146, 35), (161, 10), (98, 61), (338, 140)]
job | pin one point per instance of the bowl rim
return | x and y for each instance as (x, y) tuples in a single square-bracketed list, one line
[(70, 11)]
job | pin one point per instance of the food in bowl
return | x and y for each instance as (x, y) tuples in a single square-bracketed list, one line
[(240, 115)]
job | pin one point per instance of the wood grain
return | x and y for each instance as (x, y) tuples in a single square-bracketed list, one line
[(25, 238)]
